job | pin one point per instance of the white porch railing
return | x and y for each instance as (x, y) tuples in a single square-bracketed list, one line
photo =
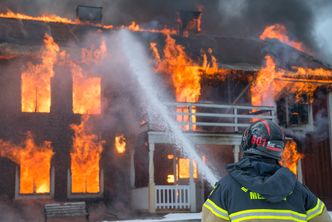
[(214, 117), (172, 197)]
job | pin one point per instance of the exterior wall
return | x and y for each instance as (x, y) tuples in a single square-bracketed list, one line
[(316, 165)]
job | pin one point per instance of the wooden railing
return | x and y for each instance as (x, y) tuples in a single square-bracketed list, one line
[(215, 117), (172, 197)]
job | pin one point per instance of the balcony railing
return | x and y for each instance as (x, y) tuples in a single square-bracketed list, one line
[(211, 117)]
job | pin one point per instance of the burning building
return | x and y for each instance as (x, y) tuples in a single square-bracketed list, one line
[(63, 136)]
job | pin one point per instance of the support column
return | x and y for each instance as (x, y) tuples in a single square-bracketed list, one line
[(192, 186), (236, 152), (329, 107), (132, 169), (152, 185)]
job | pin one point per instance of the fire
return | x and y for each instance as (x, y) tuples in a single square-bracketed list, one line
[(184, 168), (85, 156), (134, 27), (271, 81), (120, 143), (290, 156), (44, 18), (87, 90), (279, 32), (185, 74), (36, 79), (34, 162), (58, 19)]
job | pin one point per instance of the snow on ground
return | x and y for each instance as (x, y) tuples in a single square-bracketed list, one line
[(177, 217), (171, 217)]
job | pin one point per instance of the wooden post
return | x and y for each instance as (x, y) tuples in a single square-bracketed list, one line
[(152, 185), (192, 186)]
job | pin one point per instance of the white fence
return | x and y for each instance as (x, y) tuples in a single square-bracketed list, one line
[(173, 197), (215, 117)]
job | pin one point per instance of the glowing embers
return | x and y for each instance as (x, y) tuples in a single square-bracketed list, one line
[(34, 164), (85, 157), (120, 143), (36, 79), (290, 156)]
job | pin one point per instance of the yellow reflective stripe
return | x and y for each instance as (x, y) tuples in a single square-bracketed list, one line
[(217, 211), (216, 206), (268, 218), (268, 214), (316, 210), (267, 210), (315, 207), (244, 189)]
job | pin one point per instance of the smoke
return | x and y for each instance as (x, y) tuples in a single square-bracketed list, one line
[(306, 21), (323, 28)]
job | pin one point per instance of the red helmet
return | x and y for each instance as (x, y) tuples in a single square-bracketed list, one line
[(264, 138)]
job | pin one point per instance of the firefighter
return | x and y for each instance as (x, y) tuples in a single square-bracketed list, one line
[(257, 188)]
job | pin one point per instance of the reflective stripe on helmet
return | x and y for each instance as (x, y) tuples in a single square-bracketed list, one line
[(268, 214), (217, 211)]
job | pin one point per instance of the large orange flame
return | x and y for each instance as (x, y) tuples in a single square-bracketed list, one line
[(120, 143), (290, 156), (87, 90), (278, 31), (34, 162), (185, 73), (36, 79), (85, 156), (271, 81)]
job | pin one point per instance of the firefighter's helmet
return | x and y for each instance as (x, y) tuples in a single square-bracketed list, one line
[(264, 138)]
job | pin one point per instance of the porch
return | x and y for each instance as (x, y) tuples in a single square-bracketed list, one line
[(204, 124)]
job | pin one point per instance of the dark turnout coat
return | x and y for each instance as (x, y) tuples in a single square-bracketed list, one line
[(258, 189)]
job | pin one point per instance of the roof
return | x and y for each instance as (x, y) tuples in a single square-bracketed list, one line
[(21, 37)]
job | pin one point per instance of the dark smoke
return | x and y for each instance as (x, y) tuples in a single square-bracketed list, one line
[(237, 18)]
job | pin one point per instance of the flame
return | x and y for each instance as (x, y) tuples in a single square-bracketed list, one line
[(85, 156), (271, 81), (120, 143), (34, 162), (278, 31), (36, 79), (87, 90), (185, 74), (57, 19), (43, 18), (184, 168), (134, 27), (290, 156)]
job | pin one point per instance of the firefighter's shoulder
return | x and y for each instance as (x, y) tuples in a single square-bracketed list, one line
[(217, 202), (314, 207)]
